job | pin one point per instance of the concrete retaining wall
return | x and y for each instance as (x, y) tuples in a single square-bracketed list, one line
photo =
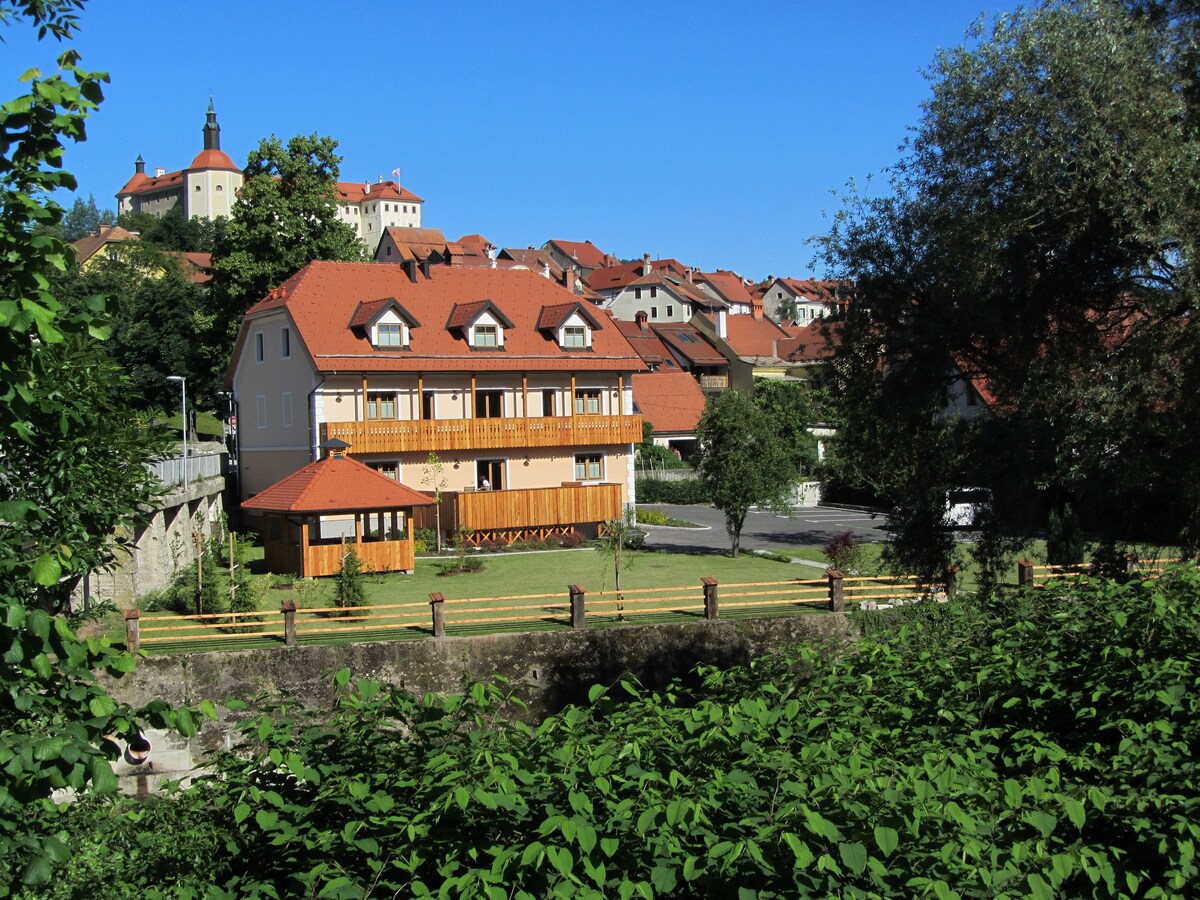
[(548, 669)]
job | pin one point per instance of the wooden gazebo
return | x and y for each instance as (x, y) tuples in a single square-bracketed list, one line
[(311, 517)]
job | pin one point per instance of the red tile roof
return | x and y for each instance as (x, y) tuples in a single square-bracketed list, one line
[(751, 337), (336, 485), (685, 340), (322, 297), (729, 285), (553, 316), (670, 401), (87, 247), (811, 343), (357, 192), (623, 274), (141, 183), (586, 254), (213, 159)]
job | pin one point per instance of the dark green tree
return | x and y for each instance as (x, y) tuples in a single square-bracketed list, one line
[(84, 217), (742, 461), (348, 590), (789, 408), (285, 217), (1038, 240)]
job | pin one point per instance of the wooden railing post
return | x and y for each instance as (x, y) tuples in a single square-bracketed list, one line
[(437, 602), (132, 636), (951, 582), (288, 608), (577, 607), (837, 597), (1024, 573), (710, 597)]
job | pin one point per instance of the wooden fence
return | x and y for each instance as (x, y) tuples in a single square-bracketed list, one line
[(1031, 574), (575, 608)]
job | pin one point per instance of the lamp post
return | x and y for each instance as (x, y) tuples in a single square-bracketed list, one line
[(183, 407)]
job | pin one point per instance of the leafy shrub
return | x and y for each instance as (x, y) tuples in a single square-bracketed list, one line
[(420, 548), (426, 535), (684, 493), (652, 517), (844, 552), (652, 456), (498, 545), (571, 540)]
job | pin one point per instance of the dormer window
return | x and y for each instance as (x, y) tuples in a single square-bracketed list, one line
[(389, 334), (574, 337), (485, 337)]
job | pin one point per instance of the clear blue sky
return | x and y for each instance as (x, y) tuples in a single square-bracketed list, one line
[(713, 132)]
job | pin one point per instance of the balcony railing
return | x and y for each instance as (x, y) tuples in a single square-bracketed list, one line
[(396, 436)]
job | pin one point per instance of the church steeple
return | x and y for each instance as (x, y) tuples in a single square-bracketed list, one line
[(212, 131)]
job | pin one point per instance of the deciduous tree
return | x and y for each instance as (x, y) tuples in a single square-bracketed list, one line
[(1037, 239), (742, 461)]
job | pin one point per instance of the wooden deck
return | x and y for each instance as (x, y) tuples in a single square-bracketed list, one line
[(524, 514), (396, 436), (326, 559)]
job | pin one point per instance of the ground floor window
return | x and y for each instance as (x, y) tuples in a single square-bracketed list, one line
[(389, 468), (588, 467)]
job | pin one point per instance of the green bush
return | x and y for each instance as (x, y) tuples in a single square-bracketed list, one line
[(658, 490), (348, 590), (652, 517)]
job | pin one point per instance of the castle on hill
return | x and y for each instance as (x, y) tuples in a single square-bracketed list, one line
[(208, 188)]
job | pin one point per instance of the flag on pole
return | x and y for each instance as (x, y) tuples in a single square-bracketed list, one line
[(396, 174)]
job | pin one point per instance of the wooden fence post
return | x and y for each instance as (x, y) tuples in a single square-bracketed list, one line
[(837, 597), (710, 597), (288, 608), (577, 609), (1024, 573), (132, 636), (437, 602), (951, 582)]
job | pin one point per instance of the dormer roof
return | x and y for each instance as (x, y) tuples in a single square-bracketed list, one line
[(369, 312), (552, 317), (466, 314)]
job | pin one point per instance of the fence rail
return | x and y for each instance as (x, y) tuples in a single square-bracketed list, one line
[(575, 608), (1031, 574), (178, 469)]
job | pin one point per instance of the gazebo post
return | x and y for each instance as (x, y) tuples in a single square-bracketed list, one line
[(304, 546)]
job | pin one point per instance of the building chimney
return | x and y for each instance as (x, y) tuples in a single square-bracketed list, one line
[(642, 320), (756, 307), (410, 268), (545, 269), (425, 267), (722, 330), (691, 275), (646, 264), (159, 173)]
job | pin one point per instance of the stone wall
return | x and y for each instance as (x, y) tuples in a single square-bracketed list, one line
[(549, 669)]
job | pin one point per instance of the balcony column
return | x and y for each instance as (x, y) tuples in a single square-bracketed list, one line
[(364, 399), (525, 395), (420, 396), (571, 399), (620, 410), (471, 412)]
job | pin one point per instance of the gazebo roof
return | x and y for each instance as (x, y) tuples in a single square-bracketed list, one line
[(336, 484)]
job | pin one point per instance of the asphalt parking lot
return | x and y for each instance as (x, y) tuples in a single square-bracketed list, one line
[(763, 530)]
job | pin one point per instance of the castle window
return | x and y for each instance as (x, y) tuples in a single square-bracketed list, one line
[(197, 189), (220, 187)]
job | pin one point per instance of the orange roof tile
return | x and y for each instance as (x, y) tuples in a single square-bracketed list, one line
[(626, 273), (728, 284), (336, 485), (358, 191), (811, 343), (670, 401), (87, 247), (689, 343), (586, 254), (145, 184), (748, 336), (323, 296), (213, 159)]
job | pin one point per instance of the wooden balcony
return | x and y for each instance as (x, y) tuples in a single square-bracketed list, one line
[(397, 436), (531, 512), (326, 559)]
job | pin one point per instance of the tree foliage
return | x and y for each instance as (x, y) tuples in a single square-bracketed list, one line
[(1034, 744), (1036, 239), (742, 460), (284, 218), (71, 475), (84, 217)]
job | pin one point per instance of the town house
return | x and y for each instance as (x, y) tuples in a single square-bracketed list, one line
[(523, 391)]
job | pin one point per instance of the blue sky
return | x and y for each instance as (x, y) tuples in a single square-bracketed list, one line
[(714, 132)]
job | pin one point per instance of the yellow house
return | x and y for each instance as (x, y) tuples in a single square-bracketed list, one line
[(522, 390)]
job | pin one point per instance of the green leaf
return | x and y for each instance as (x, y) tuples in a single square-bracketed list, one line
[(103, 779), (854, 856), (1075, 812), (240, 812), (46, 570), (887, 839)]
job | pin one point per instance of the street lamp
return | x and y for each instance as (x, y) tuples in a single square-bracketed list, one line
[(183, 407)]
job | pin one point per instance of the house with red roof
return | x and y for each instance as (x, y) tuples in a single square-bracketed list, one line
[(661, 290), (370, 209), (583, 257), (522, 389), (801, 301), (730, 287), (672, 402)]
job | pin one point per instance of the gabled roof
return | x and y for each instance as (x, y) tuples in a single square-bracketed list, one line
[(477, 243), (87, 247), (465, 314), (647, 344), (670, 401), (358, 191), (336, 484), (323, 296), (811, 343), (689, 343), (586, 253), (370, 311), (534, 260), (622, 274), (552, 317), (142, 183), (753, 338), (729, 286), (414, 243)]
